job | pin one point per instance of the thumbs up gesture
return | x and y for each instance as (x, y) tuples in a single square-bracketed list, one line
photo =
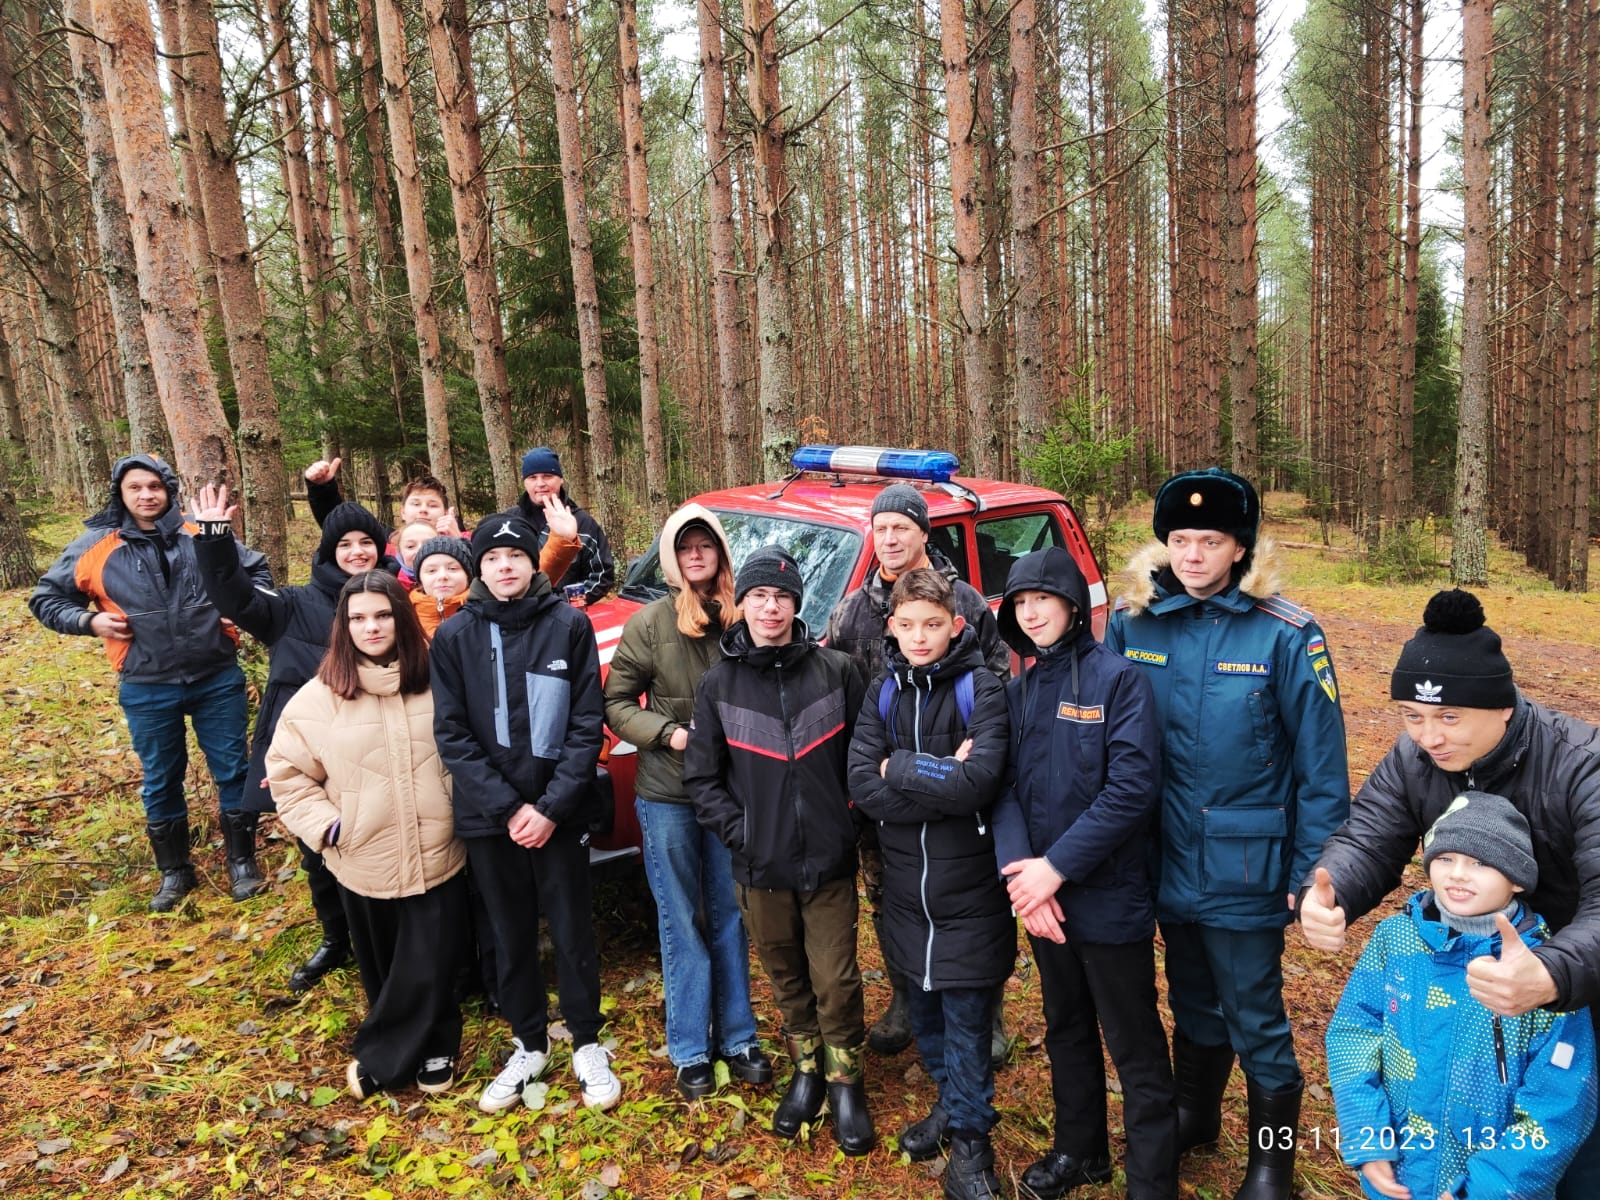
[(1321, 916), (1514, 983)]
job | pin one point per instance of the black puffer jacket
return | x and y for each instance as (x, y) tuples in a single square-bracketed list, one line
[(857, 622), (1548, 765), (293, 622), (766, 763), (947, 920), (593, 567), (517, 709)]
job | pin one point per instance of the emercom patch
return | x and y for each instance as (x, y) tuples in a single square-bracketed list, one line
[(1324, 670), (1155, 658), (1242, 668), (1083, 714)]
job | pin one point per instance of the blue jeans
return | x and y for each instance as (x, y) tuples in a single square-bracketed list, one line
[(707, 974), (953, 1028), (215, 707)]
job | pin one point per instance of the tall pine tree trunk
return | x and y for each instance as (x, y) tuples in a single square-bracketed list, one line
[(602, 453), (391, 35), (202, 443), (450, 42), (147, 428), (1032, 403), (1469, 555), (260, 435), (1239, 125), (644, 272)]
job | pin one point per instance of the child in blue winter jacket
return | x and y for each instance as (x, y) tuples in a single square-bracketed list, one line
[(1437, 1097)]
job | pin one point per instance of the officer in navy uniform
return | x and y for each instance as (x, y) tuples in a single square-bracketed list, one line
[(1254, 781)]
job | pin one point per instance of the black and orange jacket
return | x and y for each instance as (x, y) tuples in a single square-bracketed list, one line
[(767, 760), (151, 578)]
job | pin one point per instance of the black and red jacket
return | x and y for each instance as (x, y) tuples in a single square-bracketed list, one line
[(768, 756)]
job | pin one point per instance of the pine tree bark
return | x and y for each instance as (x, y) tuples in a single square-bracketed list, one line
[(602, 452), (1470, 552), (1032, 403), (1239, 125), (644, 271), (147, 428), (391, 37), (260, 434), (202, 443), (42, 245), (450, 43), (971, 321), (775, 320), (1406, 401)]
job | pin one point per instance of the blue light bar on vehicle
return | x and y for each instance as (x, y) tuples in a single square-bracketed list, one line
[(930, 466)]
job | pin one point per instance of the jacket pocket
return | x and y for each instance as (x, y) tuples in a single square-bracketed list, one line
[(1241, 850), (548, 700), (1263, 720)]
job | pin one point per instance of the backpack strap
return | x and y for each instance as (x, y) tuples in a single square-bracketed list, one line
[(966, 697)]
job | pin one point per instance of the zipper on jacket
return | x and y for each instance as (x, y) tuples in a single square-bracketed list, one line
[(927, 953), (788, 733), (502, 712)]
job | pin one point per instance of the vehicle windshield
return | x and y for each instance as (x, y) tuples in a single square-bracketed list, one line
[(827, 555)]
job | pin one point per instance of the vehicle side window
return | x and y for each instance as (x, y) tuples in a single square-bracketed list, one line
[(950, 541), (1004, 540)]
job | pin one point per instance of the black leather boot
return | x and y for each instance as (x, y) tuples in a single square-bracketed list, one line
[(239, 844), (1274, 1125), (847, 1100), (1199, 1077), (170, 842), (1057, 1173), (332, 952), (925, 1138), (970, 1173), (802, 1102)]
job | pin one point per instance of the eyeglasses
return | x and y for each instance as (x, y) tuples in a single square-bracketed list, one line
[(762, 597)]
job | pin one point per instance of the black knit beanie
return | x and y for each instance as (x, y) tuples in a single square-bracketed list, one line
[(349, 517), (1488, 828), (904, 499), (450, 546), (1209, 499), (1454, 659), (770, 566), (503, 529)]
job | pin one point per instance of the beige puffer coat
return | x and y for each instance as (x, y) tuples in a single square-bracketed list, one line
[(371, 764)]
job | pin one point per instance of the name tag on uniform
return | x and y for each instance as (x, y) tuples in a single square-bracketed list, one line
[(1242, 668), (1154, 658), (1083, 714)]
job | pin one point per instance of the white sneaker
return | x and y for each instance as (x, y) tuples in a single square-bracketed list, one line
[(601, 1087), (521, 1069)]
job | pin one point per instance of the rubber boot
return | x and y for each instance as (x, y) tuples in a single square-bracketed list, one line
[(170, 842), (969, 1174), (239, 844), (847, 1100), (1274, 1125), (802, 1102), (1199, 1077), (999, 1039)]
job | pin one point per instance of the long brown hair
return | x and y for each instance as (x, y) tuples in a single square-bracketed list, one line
[(689, 602), (339, 665)]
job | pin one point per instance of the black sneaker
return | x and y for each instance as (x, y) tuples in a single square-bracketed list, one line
[(696, 1080), (359, 1083), (437, 1074), (750, 1065)]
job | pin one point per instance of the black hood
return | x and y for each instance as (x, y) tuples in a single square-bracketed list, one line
[(964, 655), (115, 512), (1052, 570), (736, 642)]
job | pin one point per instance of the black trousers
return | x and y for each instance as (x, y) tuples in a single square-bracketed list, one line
[(406, 950), (326, 895), (518, 885), (1090, 990)]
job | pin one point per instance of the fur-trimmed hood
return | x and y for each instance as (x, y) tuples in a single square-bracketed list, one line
[(1262, 577)]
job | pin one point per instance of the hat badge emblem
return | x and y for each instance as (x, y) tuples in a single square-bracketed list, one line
[(1196, 499), (505, 530), (1428, 691)]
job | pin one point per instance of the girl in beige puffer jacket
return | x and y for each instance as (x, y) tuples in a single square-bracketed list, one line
[(355, 773)]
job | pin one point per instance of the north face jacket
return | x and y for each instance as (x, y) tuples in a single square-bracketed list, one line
[(1417, 1064), (518, 713), (947, 920), (1548, 765), (1254, 776), (1083, 784), (766, 767), (152, 578)]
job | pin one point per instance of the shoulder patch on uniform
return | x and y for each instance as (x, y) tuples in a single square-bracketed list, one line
[(1082, 714), (1316, 646), (1153, 658), (1286, 610)]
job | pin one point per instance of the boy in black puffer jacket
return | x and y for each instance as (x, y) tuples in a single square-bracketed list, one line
[(517, 714), (765, 770), (926, 763), (1073, 837)]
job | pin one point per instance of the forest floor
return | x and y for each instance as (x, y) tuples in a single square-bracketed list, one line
[(150, 1055)]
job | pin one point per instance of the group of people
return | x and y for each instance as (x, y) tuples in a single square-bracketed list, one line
[(1188, 774)]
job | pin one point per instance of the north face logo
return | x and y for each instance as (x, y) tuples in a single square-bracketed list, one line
[(556, 664), (505, 530), (1428, 692)]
